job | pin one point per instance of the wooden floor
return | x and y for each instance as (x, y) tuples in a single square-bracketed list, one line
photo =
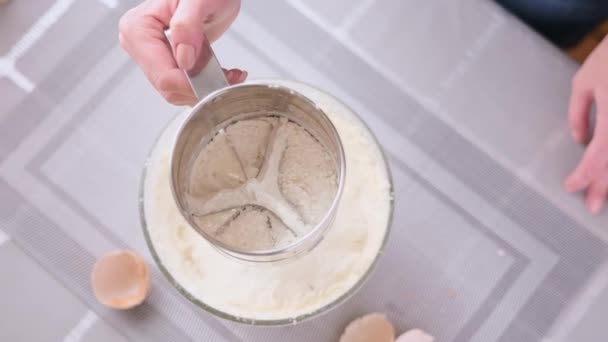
[(584, 48)]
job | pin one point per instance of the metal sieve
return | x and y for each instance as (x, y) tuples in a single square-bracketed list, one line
[(220, 106)]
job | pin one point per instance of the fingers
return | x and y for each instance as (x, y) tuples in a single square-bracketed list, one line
[(595, 160), (235, 76), (175, 88), (578, 112), (219, 22), (591, 85), (142, 36), (187, 29), (179, 99), (596, 195)]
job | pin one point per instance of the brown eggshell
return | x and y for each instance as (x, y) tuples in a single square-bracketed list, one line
[(121, 279), (369, 328)]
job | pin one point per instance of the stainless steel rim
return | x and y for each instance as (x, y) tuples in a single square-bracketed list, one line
[(302, 244)]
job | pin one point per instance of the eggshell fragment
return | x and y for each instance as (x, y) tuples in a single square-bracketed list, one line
[(369, 328), (121, 279), (415, 335)]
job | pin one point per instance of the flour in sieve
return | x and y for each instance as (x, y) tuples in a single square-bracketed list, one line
[(261, 183)]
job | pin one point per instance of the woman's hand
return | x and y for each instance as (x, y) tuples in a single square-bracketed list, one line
[(590, 85), (142, 36)]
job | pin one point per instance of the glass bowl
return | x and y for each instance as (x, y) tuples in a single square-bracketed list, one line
[(268, 322)]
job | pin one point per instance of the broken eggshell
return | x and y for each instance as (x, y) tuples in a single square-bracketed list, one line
[(415, 335), (369, 328), (121, 279)]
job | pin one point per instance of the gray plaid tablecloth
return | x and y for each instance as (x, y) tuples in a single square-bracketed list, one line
[(468, 103)]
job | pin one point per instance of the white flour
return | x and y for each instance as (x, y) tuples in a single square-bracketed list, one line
[(283, 290), (261, 183)]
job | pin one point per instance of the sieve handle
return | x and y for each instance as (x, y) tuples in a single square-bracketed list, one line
[(206, 76)]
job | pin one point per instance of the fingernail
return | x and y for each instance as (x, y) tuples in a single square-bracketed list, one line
[(243, 76), (230, 75), (185, 56)]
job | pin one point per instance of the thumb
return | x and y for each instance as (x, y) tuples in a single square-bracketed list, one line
[(187, 30)]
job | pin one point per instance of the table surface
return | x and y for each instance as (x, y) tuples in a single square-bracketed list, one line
[(468, 103)]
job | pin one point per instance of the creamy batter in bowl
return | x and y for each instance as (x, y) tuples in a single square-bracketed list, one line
[(280, 292)]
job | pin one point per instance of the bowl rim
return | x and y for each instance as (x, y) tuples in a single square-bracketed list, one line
[(269, 322)]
